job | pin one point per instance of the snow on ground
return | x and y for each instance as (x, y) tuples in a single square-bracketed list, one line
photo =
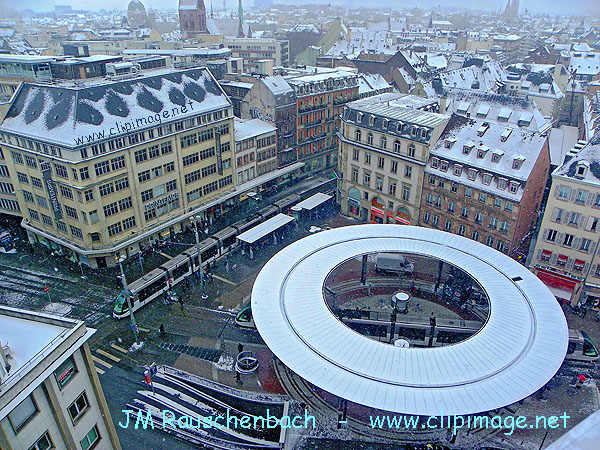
[(225, 362), (60, 309)]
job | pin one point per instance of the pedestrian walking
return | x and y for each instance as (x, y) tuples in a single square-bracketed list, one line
[(161, 329), (197, 276), (187, 282), (240, 348), (584, 312), (181, 301), (238, 377)]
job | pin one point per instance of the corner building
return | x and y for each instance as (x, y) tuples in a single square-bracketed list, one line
[(105, 168), (384, 147)]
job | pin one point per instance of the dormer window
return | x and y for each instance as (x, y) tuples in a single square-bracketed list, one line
[(514, 187), (371, 120), (581, 169), (480, 154), (359, 117), (482, 129), (385, 123), (444, 166), (472, 174), (448, 143), (502, 183), (517, 162), (467, 148), (457, 170), (435, 163), (487, 178)]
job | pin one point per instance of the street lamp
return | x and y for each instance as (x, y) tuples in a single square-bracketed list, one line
[(128, 297), (196, 219)]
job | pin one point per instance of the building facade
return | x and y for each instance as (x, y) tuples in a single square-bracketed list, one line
[(139, 158), (486, 182), (255, 149), (273, 100), (192, 18), (320, 99), (254, 50), (566, 252), (50, 394), (384, 147)]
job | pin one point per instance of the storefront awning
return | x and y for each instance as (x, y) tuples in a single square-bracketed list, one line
[(546, 253)]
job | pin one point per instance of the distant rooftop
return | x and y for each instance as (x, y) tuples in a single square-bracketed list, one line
[(245, 129)]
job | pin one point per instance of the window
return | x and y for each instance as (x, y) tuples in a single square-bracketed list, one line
[(406, 193), (355, 154), (106, 189), (568, 240), (508, 206), (36, 182), (482, 197), (41, 201), (101, 168), (71, 212), (89, 195), (487, 178), (408, 171), (171, 185), (379, 184), (432, 180), (380, 162), (504, 227), (392, 188), (397, 146), (67, 369), (84, 173), (157, 171), (493, 223), (367, 179), (117, 163), (17, 157), (489, 241), (383, 143), (114, 229), (90, 439), (444, 166), (22, 178), (354, 175), (448, 226), (461, 230), (129, 223), (24, 411), (154, 151), (468, 192), (61, 226), (366, 195), (357, 135), (434, 163), (31, 162), (575, 219), (581, 196), (28, 196), (147, 195), (436, 220), (457, 170), (585, 245), (498, 202), (411, 150), (441, 182), (451, 206), (475, 235), (166, 148), (43, 443), (66, 192), (94, 216), (465, 212), (478, 217), (370, 139), (563, 192), (426, 217), (551, 235), (78, 407), (394, 168), (367, 158), (190, 159), (125, 203), (144, 176)]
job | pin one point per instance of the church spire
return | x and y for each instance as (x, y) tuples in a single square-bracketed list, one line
[(241, 19)]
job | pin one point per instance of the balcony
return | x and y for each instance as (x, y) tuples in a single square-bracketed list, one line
[(312, 139), (312, 108)]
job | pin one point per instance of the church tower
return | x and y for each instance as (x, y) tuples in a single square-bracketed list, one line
[(192, 18)]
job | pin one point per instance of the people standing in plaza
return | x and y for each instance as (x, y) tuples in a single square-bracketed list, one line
[(161, 329), (240, 348)]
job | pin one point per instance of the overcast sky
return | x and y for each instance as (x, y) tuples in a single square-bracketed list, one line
[(584, 7)]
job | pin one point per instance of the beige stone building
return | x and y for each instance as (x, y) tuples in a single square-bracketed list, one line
[(102, 168), (566, 252), (254, 50), (384, 148), (50, 394), (255, 149)]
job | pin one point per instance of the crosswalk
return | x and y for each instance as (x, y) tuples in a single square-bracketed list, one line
[(100, 358)]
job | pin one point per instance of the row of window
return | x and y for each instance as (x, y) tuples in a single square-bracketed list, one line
[(158, 191), (208, 188), (119, 227), (575, 219), (397, 148), (568, 240), (155, 172), (486, 177), (468, 193), (579, 196), (560, 260)]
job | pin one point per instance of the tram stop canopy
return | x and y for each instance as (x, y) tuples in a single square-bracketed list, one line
[(314, 201), (265, 228)]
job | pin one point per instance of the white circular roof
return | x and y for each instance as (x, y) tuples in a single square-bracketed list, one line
[(519, 349)]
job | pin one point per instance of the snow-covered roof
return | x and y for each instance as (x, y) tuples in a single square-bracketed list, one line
[(245, 129), (62, 113), (518, 350), (588, 156), (511, 140), (265, 228), (277, 85)]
